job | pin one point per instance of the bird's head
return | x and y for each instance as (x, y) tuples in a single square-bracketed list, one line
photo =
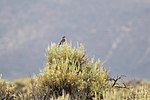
[(63, 37)]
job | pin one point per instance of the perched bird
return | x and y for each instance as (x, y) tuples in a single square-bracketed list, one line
[(62, 40)]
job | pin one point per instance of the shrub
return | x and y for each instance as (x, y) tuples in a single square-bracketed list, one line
[(68, 69), (69, 75), (6, 91), (15, 90)]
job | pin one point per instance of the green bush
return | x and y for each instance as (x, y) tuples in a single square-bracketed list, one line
[(7, 91), (68, 69), (69, 74)]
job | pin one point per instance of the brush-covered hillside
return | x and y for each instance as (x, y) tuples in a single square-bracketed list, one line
[(70, 75)]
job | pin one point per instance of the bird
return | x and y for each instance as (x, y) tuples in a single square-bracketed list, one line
[(62, 40)]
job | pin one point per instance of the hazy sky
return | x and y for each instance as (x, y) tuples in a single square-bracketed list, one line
[(116, 31)]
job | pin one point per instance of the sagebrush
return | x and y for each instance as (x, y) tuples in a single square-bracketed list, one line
[(70, 75)]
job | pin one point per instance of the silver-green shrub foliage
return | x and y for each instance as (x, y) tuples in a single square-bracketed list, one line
[(68, 69), (6, 90)]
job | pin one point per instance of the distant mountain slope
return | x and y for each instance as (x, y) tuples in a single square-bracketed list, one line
[(117, 32)]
